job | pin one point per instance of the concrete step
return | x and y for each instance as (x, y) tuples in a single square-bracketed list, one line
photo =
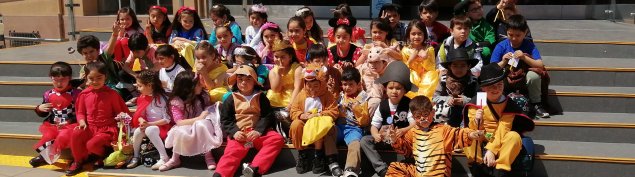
[(592, 99), (27, 68), (593, 49), (13, 86), (19, 109), (588, 71), (586, 127)]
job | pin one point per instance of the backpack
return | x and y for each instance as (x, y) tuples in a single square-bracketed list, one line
[(524, 162), (520, 100), (149, 154)]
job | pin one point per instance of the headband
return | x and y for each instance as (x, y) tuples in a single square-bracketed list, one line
[(269, 25), (343, 21), (162, 9), (259, 8), (242, 51), (185, 8), (301, 11)]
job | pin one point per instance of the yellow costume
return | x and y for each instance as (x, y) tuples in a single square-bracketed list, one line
[(216, 94), (283, 98), (423, 72)]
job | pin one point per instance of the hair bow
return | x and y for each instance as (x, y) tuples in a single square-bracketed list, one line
[(343, 21), (185, 8), (259, 8), (162, 9)]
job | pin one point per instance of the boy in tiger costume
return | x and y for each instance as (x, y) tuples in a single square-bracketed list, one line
[(429, 146)]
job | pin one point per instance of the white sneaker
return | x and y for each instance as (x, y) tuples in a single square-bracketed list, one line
[(157, 165)]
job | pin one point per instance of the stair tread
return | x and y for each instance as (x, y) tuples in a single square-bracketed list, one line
[(568, 61), (598, 117), (43, 52), (31, 101), (24, 79), (593, 89)]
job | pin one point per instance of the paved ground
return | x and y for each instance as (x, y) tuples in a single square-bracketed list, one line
[(12, 171)]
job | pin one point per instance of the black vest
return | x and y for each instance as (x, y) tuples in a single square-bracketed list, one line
[(348, 57), (400, 118)]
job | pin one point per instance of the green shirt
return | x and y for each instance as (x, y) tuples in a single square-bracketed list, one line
[(483, 32)]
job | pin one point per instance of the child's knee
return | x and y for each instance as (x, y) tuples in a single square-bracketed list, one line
[(533, 77), (297, 125)]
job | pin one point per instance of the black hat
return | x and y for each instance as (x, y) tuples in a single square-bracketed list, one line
[(461, 8), (397, 71), (491, 74), (522, 123), (333, 22), (459, 54)]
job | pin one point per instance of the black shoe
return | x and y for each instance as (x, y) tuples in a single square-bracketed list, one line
[(319, 164), (502, 173), (216, 175), (302, 164), (74, 168), (334, 167), (37, 161), (249, 171), (540, 111)]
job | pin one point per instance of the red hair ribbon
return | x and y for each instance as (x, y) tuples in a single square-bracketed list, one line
[(162, 9), (185, 8), (343, 21)]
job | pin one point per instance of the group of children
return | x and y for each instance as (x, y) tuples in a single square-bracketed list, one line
[(393, 92)]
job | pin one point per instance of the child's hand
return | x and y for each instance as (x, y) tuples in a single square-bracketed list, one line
[(148, 25), (46, 107), (508, 56), (475, 135), (252, 135), (422, 54), (489, 159), (399, 132), (377, 138), (82, 124), (240, 136), (200, 67), (479, 116), (519, 54), (450, 102), (458, 101), (116, 29), (142, 123)]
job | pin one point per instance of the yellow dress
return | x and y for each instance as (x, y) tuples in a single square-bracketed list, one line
[(423, 72), (283, 98), (216, 94), (188, 52)]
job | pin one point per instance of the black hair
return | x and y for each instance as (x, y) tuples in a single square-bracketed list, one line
[(129, 11), (317, 51), (419, 25), (315, 31), (87, 41), (197, 21), (351, 74), (222, 11), (290, 51), (429, 5), (517, 22), (169, 51), (226, 28), (342, 11), (149, 77), (346, 28), (96, 66), (460, 20), (384, 25), (138, 41), (300, 22), (184, 85), (389, 8), (204, 45), (277, 30), (421, 103), (61, 68), (166, 23)]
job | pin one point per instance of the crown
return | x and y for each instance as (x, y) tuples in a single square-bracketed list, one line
[(280, 45)]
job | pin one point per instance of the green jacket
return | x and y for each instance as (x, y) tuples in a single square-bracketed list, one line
[(483, 32)]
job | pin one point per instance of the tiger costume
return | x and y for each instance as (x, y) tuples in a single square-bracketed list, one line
[(429, 151)]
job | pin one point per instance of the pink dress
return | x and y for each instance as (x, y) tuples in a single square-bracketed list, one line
[(198, 138)]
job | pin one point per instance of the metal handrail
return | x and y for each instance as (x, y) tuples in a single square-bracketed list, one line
[(34, 39)]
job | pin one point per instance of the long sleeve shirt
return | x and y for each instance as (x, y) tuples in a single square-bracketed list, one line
[(99, 107)]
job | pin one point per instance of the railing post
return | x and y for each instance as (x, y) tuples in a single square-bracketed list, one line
[(71, 18)]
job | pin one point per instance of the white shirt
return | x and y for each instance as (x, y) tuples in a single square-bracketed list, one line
[(168, 75), (157, 110), (250, 33), (377, 119), (312, 103)]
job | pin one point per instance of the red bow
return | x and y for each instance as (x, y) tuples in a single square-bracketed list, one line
[(162, 9), (185, 8), (343, 21)]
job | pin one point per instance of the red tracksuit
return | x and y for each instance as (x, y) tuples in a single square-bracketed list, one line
[(98, 107), (63, 109)]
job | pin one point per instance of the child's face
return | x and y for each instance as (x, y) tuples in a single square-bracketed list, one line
[(475, 11), (393, 17), (395, 91), (187, 21), (416, 36), (270, 36), (423, 119), (138, 53), (319, 61), (282, 59), (125, 19), (459, 68), (156, 18), (428, 16), (312, 87), (143, 88), (205, 58), (494, 91), (377, 66), (224, 37), (256, 21), (296, 33), (516, 37), (350, 88), (218, 21), (309, 22), (60, 82), (342, 37), (378, 35), (90, 54), (245, 84), (165, 61), (96, 79), (460, 33)]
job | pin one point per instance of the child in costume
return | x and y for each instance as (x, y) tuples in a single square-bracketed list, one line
[(392, 114), (225, 47), (257, 17), (159, 28), (381, 35), (317, 55), (419, 56), (457, 88), (314, 32), (342, 15), (247, 118), (263, 42), (212, 71), (88, 47), (221, 16), (151, 118), (197, 130), (498, 117), (299, 39), (343, 53), (171, 64), (313, 112), (187, 32), (245, 55), (429, 146), (97, 107), (370, 71), (283, 80), (58, 110), (353, 118)]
